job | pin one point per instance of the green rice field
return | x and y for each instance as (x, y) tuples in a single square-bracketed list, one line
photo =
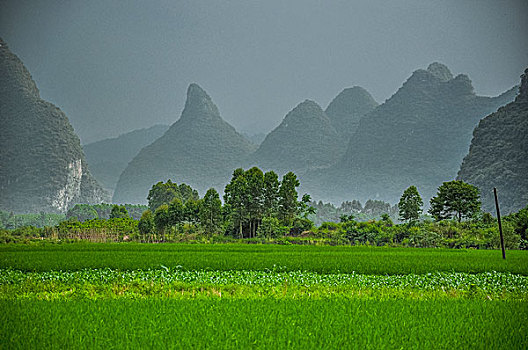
[(322, 259), (260, 296)]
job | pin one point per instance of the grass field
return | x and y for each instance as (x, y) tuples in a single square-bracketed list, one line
[(322, 259), (264, 323), (260, 296)]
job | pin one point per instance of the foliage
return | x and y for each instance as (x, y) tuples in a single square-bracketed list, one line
[(325, 212), (251, 196), (211, 211), (288, 206), (133, 283), (103, 211), (455, 199), (146, 223), (11, 220), (82, 212), (164, 193), (520, 222), (119, 211), (410, 205)]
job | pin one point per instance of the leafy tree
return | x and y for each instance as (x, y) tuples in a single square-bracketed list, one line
[(410, 205), (271, 193), (351, 206), (119, 211), (255, 198), (520, 222), (191, 211), (211, 211), (288, 198), (235, 199), (455, 199), (146, 223), (82, 212), (301, 224), (346, 218), (176, 212), (376, 207), (165, 193), (304, 207), (270, 227), (161, 218), (187, 193)]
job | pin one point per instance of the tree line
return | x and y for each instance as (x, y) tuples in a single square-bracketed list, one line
[(255, 203), (258, 206)]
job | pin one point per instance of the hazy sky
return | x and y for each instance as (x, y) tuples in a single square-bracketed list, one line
[(115, 66)]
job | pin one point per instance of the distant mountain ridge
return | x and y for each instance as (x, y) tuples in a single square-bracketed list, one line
[(304, 139), (108, 158), (416, 137), (498, 155), (42, 165), (347, 108), (199, 149)]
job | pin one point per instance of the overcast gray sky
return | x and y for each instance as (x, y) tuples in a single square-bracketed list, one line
[(115, 66)]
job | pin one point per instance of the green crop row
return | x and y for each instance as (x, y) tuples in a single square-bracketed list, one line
[(489, 281), (176, 283), (265, 324), (321, 259)]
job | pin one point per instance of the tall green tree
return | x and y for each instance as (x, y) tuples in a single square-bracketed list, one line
[(146, 223), (455, 199), (82, 212), (119, 211), (288, 206), (211, 211), (187, 193), (176, 212), (255, 198), (235, 194), (410, 205), (165, 193), (271, 193), (191, 211), (161, 218)]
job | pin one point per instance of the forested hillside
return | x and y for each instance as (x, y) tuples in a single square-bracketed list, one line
[(417, 137), (108, 158), (200, 149), (347, 108), (498, 156), (305, 139), (42, 165)]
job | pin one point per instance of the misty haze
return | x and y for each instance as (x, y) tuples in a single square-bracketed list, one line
[(294, 125)]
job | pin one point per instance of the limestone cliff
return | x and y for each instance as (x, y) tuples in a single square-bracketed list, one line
[(42, 166), (498, 155)]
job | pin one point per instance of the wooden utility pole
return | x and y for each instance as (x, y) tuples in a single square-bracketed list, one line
[(499, 220)]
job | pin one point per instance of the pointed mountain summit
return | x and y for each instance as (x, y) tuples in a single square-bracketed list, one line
[(347, 108), (440, 71), (199, 149), (418, 137), (305, 139), (42, 165), (498, 155)]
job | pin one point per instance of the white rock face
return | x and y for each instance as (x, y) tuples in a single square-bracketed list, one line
[(72, 188)]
